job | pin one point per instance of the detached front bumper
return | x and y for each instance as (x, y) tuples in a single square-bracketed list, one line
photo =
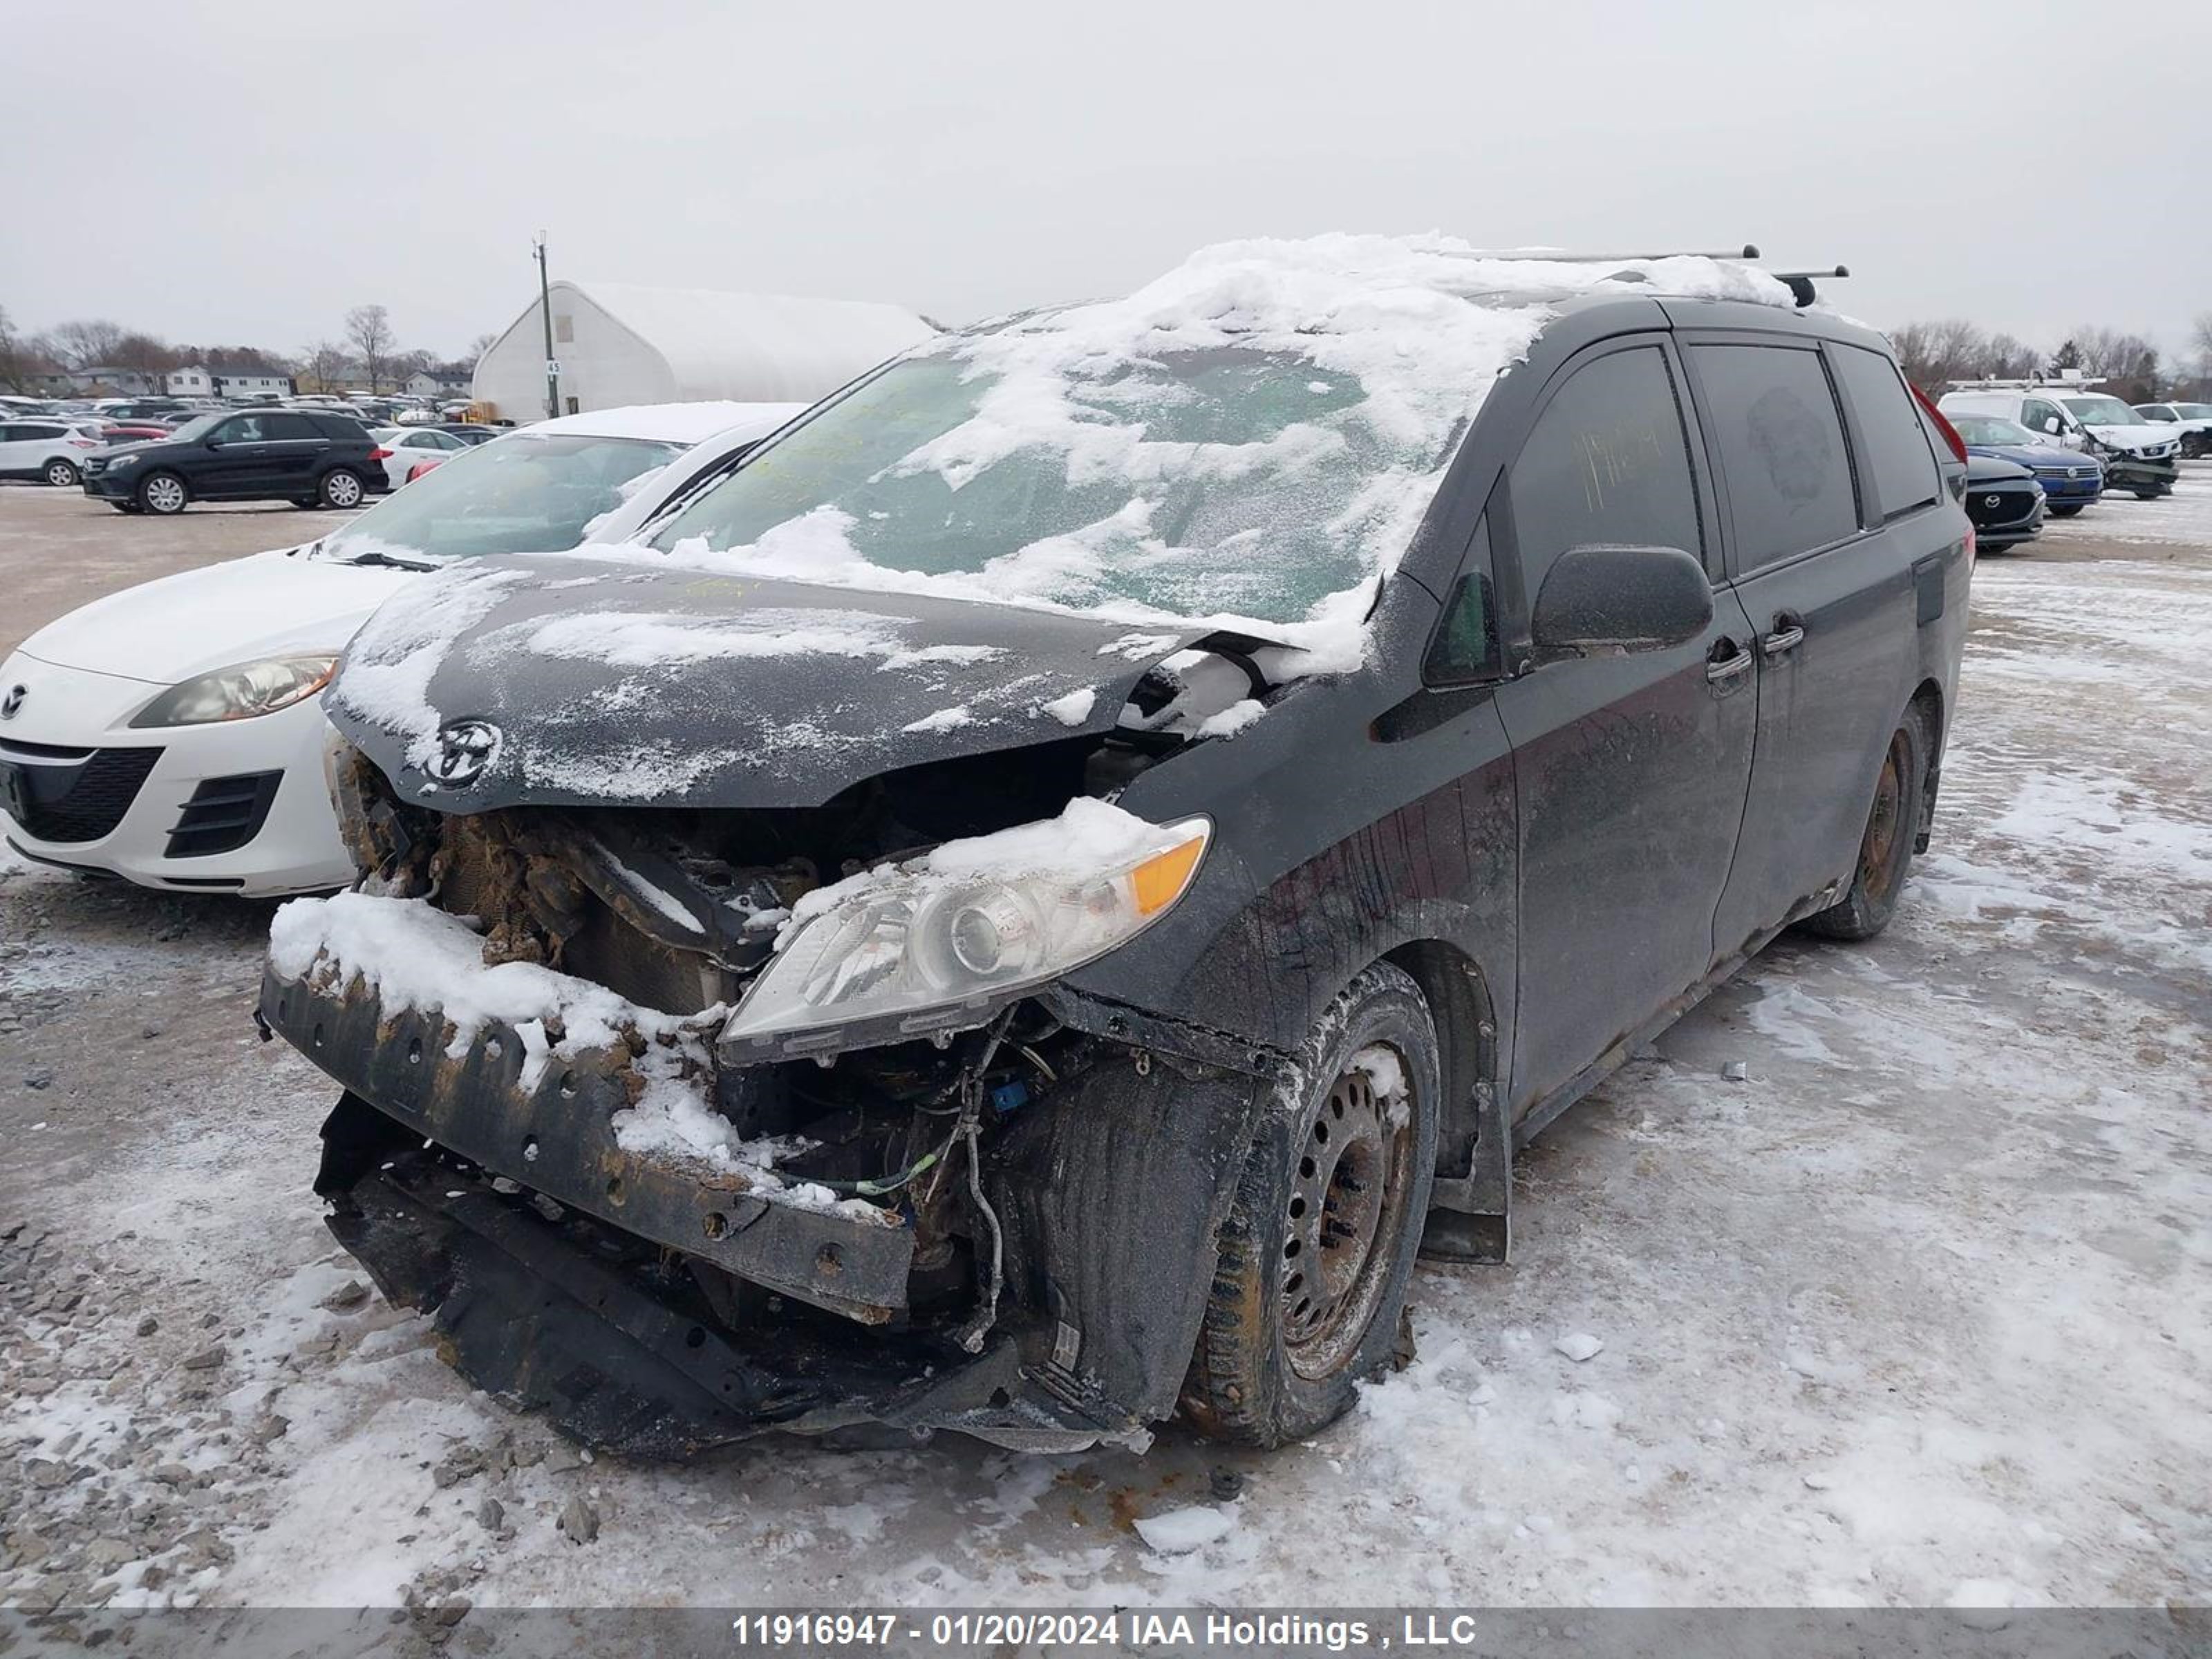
[(2131, 472), (555, 1259)]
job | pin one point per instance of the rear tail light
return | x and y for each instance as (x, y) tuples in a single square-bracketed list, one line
[(379, 454), (1970, 546), (84, 443), (1950, 432)]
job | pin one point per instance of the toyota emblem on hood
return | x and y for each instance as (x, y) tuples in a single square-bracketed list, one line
[(466, 750), (12, 701)]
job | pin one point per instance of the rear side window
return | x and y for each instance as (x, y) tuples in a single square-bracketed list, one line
[(2038, 416), (341, 428), (290, 427), (1607, 461), (1782, 450), (1897, 452)]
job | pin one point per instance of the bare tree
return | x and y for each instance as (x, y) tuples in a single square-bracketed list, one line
[(89, 343), (2006, 358), (2126, 363), (1934, 354), (323, 367), (2200, 342), (369, 328), (21, 355), (149, 359), (484, 342)]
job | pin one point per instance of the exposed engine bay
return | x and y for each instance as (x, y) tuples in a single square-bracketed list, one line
[(867, 1198)]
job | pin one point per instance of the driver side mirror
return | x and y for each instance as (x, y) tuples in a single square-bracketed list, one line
[(1621, 599)]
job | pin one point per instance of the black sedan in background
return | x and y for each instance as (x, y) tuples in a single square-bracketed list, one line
[(2004, 502)]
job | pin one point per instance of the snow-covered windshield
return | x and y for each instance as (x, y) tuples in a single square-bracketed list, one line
[(1990, 429), (522, 493), (1225, 479), (2103, 411)]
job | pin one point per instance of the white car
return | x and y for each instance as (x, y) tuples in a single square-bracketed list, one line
[(48, 448), (403, 448), (173, 733), (2192, 420), (2139, 455)]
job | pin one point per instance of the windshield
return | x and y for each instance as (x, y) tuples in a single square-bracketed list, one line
[(2103, 411), (525, 494), (1991, 430), (1227, 478), (199, 426)]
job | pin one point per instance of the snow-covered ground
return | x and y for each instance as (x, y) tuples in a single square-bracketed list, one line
[(1919, 1309)]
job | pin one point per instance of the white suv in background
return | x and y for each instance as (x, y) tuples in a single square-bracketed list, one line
[(173, 733), (2193, 422), (45, 447), (2139, 456)]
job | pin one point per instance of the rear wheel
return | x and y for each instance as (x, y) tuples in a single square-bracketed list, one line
[(163, 493), (63, 475), (1885, 849), (341, 488), (1311, 1282), (2068, 511)]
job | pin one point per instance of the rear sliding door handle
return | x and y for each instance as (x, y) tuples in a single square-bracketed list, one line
[(1728, 661), (1781, 641)]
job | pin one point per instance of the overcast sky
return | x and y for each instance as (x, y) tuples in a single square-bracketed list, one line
[(243, 173)]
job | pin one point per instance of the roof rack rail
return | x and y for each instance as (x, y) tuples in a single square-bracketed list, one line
[(1560, 256), (1801, 283)]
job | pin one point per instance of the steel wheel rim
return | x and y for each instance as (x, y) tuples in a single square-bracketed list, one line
[(1347, 1192), (1885, 824), (165, 494), (344, 491)]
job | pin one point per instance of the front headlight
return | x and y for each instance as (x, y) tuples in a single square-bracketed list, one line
[(238, 693), (128, 458), (973, 922)]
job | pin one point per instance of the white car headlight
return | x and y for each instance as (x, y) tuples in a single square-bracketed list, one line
[(240, 692), (942, 932)]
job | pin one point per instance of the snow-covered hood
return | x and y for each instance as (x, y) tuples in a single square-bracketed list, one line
[(568, 680), (169, 629)]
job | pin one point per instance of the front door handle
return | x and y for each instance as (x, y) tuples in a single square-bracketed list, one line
[(1727, 661), (1789, 633)]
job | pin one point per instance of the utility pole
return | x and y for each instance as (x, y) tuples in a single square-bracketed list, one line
[(545, 309)]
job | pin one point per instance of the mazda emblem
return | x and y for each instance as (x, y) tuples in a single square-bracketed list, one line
[(12, 701), (1992, 500), (465, 749)]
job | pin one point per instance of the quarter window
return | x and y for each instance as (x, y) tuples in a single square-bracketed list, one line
[(1782, 450), (1466, 646), (1607, 461), (1896, 451)]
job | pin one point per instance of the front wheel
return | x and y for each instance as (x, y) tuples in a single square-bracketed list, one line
[(2068, 511), (341, 488), (1309, 1284), (163, 493), (1893, 825), (2150, 495), (62, 474)]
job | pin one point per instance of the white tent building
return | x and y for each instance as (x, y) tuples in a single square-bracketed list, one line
[(618, 343)]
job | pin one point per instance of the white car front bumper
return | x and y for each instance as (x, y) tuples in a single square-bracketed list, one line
[(236, 806)]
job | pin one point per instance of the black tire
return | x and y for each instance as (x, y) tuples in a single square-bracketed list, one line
[(305, 501), (2150, 495), (1294, 1320), (62, 474), (125, 506), (1893, 824), (341, 488), (2068, 511), (162, 494)]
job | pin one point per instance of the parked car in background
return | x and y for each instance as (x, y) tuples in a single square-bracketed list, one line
[(2005, 502), (2137, 456), (12, 406), (2071, 478), (127, 432), (170, 733), (2193, 422), (1139, 987), (138, 408), (52, 452), (472, 433), (259, 455), (399, 449)]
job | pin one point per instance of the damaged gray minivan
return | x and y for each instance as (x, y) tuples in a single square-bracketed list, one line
[(1023, 904)]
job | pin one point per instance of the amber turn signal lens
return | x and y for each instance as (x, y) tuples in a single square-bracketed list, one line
[(1160, 880)]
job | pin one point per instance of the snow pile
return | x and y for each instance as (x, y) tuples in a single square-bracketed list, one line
[(416, 957), (1261, 427)]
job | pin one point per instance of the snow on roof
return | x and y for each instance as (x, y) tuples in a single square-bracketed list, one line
[(677, 423), (1397, 341), (769, 346)]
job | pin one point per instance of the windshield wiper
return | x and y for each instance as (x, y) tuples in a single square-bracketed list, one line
[(387, 559)]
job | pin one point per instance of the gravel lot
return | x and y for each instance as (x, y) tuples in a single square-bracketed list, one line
[(1918, 1311)]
